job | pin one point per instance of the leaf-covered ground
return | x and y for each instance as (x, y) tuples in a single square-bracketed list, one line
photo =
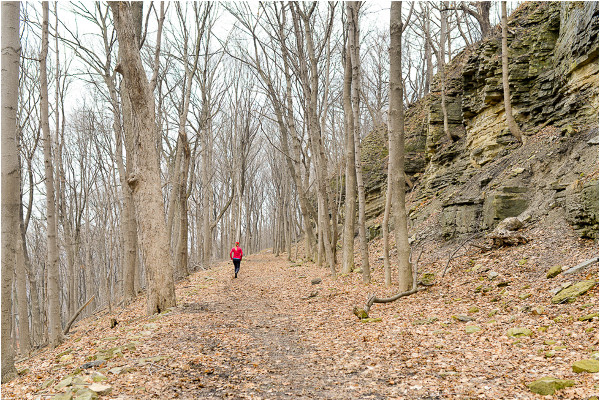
[(272, 334)]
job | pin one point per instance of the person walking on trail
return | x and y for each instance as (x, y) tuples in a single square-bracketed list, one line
[(236, 255)]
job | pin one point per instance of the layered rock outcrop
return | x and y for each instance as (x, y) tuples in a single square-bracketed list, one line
[(486, 176)]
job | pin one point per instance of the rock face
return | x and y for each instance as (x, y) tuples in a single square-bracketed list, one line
[(485, 176)]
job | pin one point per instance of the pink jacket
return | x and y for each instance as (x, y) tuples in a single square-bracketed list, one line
[(236, 253)]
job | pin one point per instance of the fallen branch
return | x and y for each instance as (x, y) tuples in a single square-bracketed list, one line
[(581, 266), (375, 300), (470, 238), (68, 327)]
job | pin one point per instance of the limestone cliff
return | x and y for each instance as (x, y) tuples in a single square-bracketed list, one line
[(486, 176)]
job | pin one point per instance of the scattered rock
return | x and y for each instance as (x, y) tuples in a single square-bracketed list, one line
[(157, 358), (68, 395), (463, 318), (100, 389), (588, 318), (593, 141), (150, 326), (98, 377), (586, 365), (474, 309), (518, 332), (503, 284), (64, 383), (492, 275), (429, 320), (47, 383), (66, 358), (574, 291), (538, 310), (524, 296), (360, 313), (93, 364), (371, 320), (548, 385), (472, 329), (554, 271), (428, 278), (550, 354), (85, 394), (23, 372), (315, 281), (65, 352)]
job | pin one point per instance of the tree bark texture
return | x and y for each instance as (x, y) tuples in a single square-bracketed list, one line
[(442, 61), (510, 120), (350, 184), (54, 322), (354, 36), (145, 179), (11, 202), (396, 132)]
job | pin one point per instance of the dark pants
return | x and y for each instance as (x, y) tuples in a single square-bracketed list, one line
[(236, 264)]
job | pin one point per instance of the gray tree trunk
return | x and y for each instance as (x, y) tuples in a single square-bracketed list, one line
[(405, 279), (145, 179), (350, 185), (442, 67), (54, 322), (354, 37), (11, 49), (510, 120)]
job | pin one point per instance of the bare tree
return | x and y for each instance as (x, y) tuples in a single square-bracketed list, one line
[(350, 181), (145, 179), (52, 229), (510, 120), (308, 56), (354, 51), (11, 202), (396, 132)]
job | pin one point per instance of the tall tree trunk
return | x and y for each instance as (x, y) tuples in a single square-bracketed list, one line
[(11, 49), (510, 121), (428, 61), (397, 148), (207, 195), (145, 179), (385, 225), (350, 185), (442, 61), (22, 310), (124, 135), (52, 230), (354, 37), (310, 80), (90, 288)]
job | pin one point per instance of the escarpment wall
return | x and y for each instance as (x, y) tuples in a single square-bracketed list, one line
[(485, 175)]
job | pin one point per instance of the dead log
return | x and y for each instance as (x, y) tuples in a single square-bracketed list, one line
[(68, 327), (581, 266)]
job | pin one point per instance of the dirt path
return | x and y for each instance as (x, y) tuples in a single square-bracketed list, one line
[(271, 334)]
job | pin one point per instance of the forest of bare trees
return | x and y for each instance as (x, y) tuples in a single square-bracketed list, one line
[(141, 140)]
